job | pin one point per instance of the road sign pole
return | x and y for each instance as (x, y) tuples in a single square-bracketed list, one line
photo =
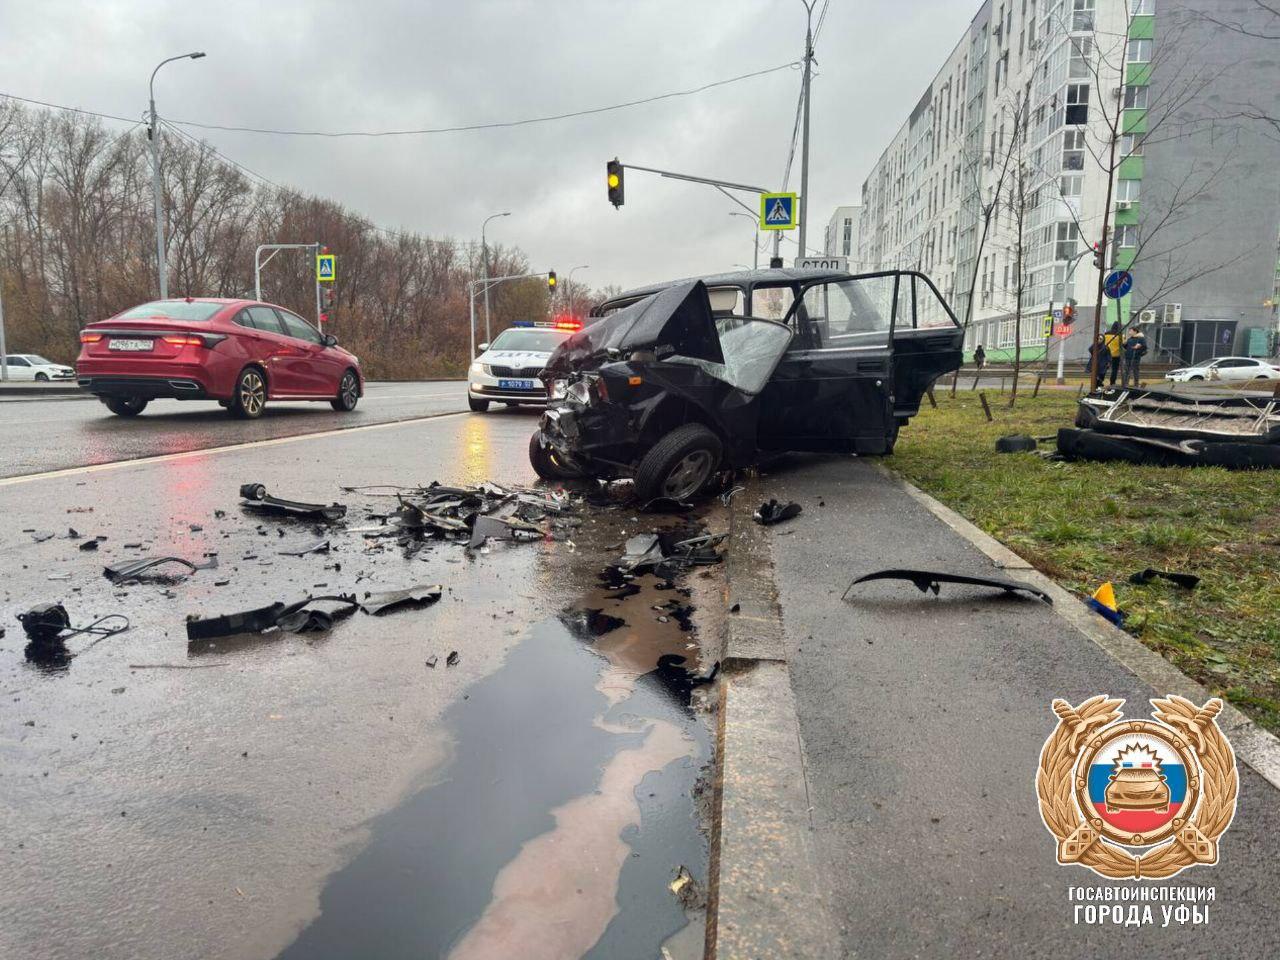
[(804, 149), (319, 313), (4, 349)]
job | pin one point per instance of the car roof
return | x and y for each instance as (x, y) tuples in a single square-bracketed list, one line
[(739, 278)]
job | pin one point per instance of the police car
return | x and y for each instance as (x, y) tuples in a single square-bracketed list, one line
[(507, 370)]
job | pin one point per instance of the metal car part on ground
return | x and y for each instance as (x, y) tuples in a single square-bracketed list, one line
[(257, 500), (930, 580), (668, 391), (135, 570), (772, 511)]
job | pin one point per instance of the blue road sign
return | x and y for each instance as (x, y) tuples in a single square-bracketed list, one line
[(326, 268), (1117, 284), (777, 211)]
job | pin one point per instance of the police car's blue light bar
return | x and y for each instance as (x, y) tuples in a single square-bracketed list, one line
[(522, 323)]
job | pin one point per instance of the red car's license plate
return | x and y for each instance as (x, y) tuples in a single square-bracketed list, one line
[(134, 346)]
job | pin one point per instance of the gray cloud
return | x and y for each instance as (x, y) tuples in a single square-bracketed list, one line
[(386, 65)]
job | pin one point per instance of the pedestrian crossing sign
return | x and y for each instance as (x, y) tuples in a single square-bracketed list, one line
[(777, 211), (326, 268)]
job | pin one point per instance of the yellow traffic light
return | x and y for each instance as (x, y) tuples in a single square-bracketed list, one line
[(551, 280)]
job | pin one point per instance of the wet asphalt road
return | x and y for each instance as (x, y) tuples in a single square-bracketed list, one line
[(288, 791), (57, 433)]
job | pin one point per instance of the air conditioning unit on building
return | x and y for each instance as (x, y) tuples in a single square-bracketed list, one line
[(1123, 204), (1147, 316), (1173, 313)]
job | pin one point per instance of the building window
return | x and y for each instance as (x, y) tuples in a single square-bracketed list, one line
[(848, 235), (1077, 104), (1082, 16), (1081, 51), (1140, 8), (1135, 98), (1126, 235), (1131, 145), (1073, 150), (1139, 51), (1066, 234), (1127, 191), (1007, 328), (1071, 185)]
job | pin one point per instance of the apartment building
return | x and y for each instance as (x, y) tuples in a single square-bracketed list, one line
[(843, 233), (1048, 114)]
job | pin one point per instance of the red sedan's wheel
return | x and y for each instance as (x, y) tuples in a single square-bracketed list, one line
[(348, 393), (250, 398)]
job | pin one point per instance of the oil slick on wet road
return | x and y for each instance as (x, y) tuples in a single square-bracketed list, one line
[(565, 811)]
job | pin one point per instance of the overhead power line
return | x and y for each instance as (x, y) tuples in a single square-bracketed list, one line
[(497, 124)]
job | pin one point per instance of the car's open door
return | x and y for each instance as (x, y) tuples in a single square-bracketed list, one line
[(928, 342), (832, 390)]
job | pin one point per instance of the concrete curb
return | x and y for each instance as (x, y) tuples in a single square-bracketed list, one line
[(1252, 744), (25, 389), (766, 897)]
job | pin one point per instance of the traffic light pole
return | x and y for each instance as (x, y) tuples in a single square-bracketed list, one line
[(259, 263)]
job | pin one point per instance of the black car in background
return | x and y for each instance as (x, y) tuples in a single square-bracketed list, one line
[(675, 382)]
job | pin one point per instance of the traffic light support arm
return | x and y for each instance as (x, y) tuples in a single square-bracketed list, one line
[(672, 175), (259, 263)]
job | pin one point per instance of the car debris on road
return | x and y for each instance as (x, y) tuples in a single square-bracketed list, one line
[(773, 511), (931, 580), (136, 571), (256, 499)]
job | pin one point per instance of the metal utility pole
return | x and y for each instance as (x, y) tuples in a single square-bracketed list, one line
[(489, 282), (157, 189), (804, 148), (755, 242), (259, 263), (484, 255), (4, 349), (569, 284)]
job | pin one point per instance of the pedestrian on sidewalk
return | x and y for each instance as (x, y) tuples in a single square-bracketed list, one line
[(979, 357), (1098, 352), (1135, 348), (1114, 343)]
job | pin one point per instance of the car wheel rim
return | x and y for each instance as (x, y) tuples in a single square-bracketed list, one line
[(251, 394), (687, 477), (349, 390)]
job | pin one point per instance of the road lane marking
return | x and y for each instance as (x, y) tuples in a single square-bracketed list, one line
[(207, 451)]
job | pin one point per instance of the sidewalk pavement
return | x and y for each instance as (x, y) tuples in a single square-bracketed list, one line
[(921, 720)]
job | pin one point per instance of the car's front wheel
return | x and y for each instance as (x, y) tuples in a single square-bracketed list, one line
[(679, 465), (126, 406), (477, 406), (348, 393), (546, 464), (250, 397), (42, 378)]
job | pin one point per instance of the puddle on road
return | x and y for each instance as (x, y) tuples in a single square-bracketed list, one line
[(566, 810)]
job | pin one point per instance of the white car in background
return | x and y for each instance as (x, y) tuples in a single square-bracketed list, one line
[(32, 366), (507, 370), (1226, 369)]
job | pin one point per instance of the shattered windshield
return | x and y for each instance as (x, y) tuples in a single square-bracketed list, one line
[(752, 349)]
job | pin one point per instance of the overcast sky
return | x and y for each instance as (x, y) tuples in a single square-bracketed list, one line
[(378, 64)]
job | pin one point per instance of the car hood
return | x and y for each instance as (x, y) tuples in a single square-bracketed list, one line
[(679, 317), (515, 358)]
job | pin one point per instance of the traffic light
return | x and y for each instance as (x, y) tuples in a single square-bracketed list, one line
[(1069, 313), (1097, 256), (614, 179), (551, 281)]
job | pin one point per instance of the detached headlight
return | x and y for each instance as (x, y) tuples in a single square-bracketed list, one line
[(557, 389)]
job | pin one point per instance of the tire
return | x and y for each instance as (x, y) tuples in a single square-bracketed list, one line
[(126, 406), (1086, 416), (1194, 379), (348, 393), (477, 406), (250, 397), (680, 465), (1241, 456), (544, 462), (44, 378)]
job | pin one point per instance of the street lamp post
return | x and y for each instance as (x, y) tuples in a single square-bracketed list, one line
[(569, 284), (156, 189), (484, 255), (755, 241)]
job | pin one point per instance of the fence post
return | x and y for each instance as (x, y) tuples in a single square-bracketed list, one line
[(985, 407)]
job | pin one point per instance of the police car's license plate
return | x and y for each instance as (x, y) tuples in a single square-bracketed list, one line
[(515, 384), (134, 346)]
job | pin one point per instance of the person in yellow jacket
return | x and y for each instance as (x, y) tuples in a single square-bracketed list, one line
[(1113, 341)]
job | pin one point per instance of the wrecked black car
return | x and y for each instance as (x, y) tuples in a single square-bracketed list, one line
[(673, 383)]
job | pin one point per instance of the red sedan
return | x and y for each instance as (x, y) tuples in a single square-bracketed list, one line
[(238, 352)]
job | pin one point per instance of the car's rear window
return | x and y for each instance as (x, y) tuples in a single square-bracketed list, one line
[(173, 310), (536, 341)]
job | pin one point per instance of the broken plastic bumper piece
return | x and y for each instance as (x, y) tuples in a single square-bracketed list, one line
[(255, 498), (930, 580)]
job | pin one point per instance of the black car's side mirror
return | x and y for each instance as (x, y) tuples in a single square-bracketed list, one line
[(329, 340)]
